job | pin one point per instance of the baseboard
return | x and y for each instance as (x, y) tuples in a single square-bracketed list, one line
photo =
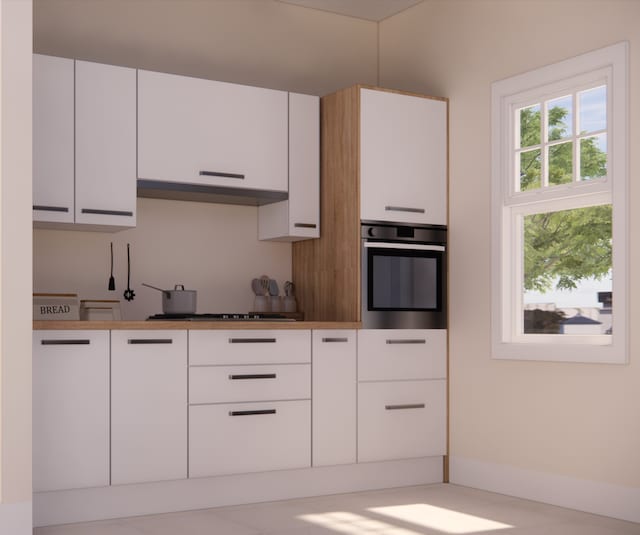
[(16, 518), (63, 507), (595, 497)]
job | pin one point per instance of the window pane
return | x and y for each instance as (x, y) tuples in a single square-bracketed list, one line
[(593, 157), (593, 109), (561, 163), (529, 126), (559, 118), (567, 272), (529, 171)]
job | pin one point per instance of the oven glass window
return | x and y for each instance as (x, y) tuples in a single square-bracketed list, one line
[(404, 280)]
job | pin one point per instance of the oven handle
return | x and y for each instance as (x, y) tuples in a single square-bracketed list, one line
[(414, 246)]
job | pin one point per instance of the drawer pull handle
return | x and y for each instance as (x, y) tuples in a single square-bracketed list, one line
[(252, 413), (107, 212), (253, 376), (404, 407), (223, 175), (404, 209), (407, 341), (150, 341), (252, 340), (50, 208), (329, 340), (305, 225), (82, 342)]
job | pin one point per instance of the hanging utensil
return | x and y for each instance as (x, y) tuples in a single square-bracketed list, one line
[(112, 281), (129, 294)]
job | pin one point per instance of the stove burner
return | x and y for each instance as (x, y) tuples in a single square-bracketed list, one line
[(221, 317)]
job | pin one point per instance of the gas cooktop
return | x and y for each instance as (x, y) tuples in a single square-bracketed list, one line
[(222, 317)]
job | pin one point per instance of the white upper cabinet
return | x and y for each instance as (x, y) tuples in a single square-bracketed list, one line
[(298, 218), (53, 174), (202, 132), (403, 158)]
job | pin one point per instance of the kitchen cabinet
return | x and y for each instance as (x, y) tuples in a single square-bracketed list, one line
[(148, 406), (70, 410), (334, 397), (403, 158), (202, 132), (298, 218), (84, 144)]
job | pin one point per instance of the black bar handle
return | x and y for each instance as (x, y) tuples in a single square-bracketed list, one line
[(252, 340), (82, 342), (403, 407), (223, 175), (50, 208), (251, 413), (407, 341), (345, 339), (305, 225), (404, 209), (106, 212), (253, 376), (137, 341)]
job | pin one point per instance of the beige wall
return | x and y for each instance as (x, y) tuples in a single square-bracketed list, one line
[(210, 248), (574, 420)]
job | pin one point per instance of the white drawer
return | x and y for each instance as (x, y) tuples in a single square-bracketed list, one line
[(401, 420), (249, 347), (389, 354), (249, 437), (231, 384)]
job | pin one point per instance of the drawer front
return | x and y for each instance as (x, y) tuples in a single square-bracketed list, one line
[(401, 420), (230, 384), (388, 354), (249, 437), (249, 347)]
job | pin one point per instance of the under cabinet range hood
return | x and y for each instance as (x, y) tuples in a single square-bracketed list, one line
[(180, 191)]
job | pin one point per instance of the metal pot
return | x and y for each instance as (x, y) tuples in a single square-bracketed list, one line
[(178, 300)]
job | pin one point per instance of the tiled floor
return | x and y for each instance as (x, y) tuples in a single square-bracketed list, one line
[(430, 509)]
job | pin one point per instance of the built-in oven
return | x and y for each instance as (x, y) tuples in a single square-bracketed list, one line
[(404, 276)]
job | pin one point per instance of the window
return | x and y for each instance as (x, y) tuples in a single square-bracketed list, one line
[(559, 166)]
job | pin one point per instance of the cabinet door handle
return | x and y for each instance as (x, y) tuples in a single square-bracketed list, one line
[(106, 212), (404, 209), (305, 225), (253, 376), (50, 208), (252, 340), (81, 342), (407, 341), (223, 175), (404, 407), (330, 340), (150, 341), (251, 413)]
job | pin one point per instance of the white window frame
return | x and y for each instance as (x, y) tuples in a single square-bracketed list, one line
[(608, 65)]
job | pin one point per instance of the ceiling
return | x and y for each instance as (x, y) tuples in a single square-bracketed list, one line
[(374, 10)]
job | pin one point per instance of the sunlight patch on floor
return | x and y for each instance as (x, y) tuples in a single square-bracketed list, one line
[(343, 522), (439, 518)]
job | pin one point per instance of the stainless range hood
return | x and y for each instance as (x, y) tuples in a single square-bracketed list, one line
[(159, 189)]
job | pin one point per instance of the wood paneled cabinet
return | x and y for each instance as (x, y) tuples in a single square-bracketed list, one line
[(84, 123)]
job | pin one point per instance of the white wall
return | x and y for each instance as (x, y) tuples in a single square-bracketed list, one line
[(15, 262), (207, 247), (520, 419)]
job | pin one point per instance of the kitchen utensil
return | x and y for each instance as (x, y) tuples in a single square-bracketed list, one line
[(178, 300), (289, 288), (256, 286), (112, 281), (273, 288), (129, 294), (264, 281), (261, 303)]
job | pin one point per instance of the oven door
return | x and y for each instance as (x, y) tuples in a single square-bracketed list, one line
[(403, 285)]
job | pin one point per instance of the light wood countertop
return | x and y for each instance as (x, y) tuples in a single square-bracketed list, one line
[(158, 325)]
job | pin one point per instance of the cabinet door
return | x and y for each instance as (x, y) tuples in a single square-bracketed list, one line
[(403, 158), (298, 218), (70, 409), (53, 174), (105, 145), (148, 406), (334, 397), (213, 133)]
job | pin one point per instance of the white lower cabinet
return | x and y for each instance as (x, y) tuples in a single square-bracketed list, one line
[(70, 410), (148, 406), (334, 397)]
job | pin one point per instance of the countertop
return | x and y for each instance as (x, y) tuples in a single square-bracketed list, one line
[(158, 325)]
